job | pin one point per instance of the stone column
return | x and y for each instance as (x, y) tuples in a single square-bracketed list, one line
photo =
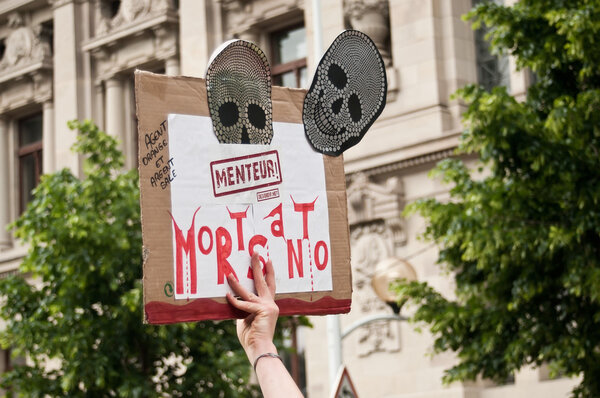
[(5, 238), (48, 138), (217, 22), (68, 79), (172, 66), (115, 117), (98, 112), (195, 36)]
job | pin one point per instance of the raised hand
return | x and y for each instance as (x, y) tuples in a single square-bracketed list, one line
[(256, 330)]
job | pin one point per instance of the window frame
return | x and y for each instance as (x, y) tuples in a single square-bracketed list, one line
[(492, 70), (296, 65)]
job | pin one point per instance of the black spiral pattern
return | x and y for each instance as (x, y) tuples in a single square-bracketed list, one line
[(238, 84), (347, 94)]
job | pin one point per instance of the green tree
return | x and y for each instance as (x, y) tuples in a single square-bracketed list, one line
[(523, 242), (84, 307)]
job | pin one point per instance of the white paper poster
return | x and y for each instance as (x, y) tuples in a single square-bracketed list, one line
[(229, 200)]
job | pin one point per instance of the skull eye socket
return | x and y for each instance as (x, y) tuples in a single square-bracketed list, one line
[(336, 106), (337, 76), (256, 116), (354, 108), (228, 114)]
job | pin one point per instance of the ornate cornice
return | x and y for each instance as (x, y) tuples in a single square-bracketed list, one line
[(428, 158)]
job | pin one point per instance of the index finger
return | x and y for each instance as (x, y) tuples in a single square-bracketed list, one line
[(239, 289)]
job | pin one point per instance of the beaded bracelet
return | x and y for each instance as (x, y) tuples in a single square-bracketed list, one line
[(267, 354)]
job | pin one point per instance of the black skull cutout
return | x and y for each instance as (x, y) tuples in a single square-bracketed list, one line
[(238, 84), (347, 94)]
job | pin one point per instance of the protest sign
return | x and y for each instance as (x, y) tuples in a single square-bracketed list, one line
[(207, 206)]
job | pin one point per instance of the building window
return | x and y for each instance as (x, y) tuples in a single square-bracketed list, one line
[(492, 70), (289, 57), (30, 157)]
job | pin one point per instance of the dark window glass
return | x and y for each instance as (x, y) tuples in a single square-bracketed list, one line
[(30, 157), (28, 178), (30, 130)]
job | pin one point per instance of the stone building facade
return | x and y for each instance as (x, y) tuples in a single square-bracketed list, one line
[(68, 59)]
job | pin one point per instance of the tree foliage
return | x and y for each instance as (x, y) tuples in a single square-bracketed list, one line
[(523, 242), (83, 309)]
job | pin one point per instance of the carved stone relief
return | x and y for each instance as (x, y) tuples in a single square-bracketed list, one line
[(376, 229), (368, 201), (26, 66), (24, 45), (372, 243), (130, 11), (236, 12), (371, 17), (140, 32)]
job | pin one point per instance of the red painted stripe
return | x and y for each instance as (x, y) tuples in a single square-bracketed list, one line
[(203, 309)]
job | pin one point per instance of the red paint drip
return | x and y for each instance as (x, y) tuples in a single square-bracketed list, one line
[(312, 281)]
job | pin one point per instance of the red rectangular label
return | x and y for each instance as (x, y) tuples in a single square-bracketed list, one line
[(245, 173), (268, 194)]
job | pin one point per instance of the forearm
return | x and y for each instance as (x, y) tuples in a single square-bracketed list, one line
[(256, 331), (274, 379)]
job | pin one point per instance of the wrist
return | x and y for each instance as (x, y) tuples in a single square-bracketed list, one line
[(259, 349), (268, 355)]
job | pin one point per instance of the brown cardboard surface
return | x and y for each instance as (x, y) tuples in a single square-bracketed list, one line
[(156, 97)]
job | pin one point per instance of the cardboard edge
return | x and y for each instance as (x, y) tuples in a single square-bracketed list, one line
[(140, 78), (159, 313), (137, 74)]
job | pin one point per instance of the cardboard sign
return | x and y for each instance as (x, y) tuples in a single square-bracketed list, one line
[(207, 206)]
